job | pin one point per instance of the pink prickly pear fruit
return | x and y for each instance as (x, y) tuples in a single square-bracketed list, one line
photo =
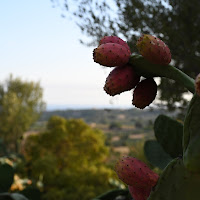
[(197, 84), (139, 193), (144, 93), (135, 173), (114, 39), (154, 50), (111, 54), (121, 79)]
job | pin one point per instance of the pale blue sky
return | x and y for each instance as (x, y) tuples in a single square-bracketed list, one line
[(37, 44)]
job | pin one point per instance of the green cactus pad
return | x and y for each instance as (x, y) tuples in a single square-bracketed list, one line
[(32, 193), (16, 196), (6, 177), (155, 154), (113, 194), (12, 196), (176, 183), (169, 134), (191, 140)]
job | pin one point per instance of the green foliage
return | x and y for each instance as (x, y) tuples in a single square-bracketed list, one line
[(137, 150), (138, 124), (96, 115), (155, 154), (6, 177), (21, 104), (70, 156), (3, 150), (115, 125), (169, 133)]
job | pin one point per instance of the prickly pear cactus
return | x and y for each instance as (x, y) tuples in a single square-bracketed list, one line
[(191, 142), (169, 134), (6, 177), (155, 154), (177, 148), (181, 177), (176, 182)]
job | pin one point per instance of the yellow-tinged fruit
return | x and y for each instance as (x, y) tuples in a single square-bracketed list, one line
[(154, 50)]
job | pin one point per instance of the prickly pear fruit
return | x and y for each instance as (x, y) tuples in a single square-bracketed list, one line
[(121, 79), (135, 173), (111, 54), (144, 93), (197, 84), (154, 50), (114, 39)]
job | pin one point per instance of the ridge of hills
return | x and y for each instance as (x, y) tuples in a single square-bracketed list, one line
[(104, 116)]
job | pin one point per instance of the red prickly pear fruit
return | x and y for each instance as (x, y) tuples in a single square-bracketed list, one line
[(139, 193), (154, 50), (114, 39), (111, 55), (197, 84), (135, 173), (144, 93), (121, 79)]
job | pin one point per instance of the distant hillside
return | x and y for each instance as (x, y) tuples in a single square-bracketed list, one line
[(106, 116)]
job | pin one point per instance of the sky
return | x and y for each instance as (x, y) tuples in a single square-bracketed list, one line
[(37, 44)]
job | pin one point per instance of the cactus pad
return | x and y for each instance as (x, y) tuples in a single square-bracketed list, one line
[(191, 143), (176, 183), (169, 134), (6, 177), (155, 154)]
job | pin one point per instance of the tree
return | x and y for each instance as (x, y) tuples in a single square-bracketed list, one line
[(70, 156), (115, 125), (20, 105), (174, 21)]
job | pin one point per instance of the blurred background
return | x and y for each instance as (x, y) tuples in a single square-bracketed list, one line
[(54, 113), (40, 44)]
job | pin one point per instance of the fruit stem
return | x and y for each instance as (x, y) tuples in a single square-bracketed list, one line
[(147, 69), (181, 77)]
